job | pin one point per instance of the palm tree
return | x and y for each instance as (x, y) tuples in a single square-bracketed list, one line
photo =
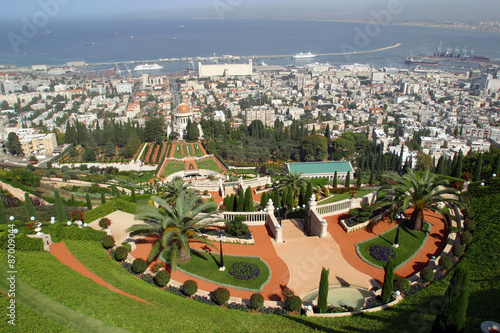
[(174, 227), (294, 180), (174, 189), (420, 192)]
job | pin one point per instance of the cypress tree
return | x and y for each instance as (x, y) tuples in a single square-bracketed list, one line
[(290, 200), (348, 179), (103, 198), (302, 197), (440, 166), (388, 281), (452, 316), (496, 166), (457, 173), (358, 179), (277, 199), (477, 168), (335, 180), (30, 209), (370, 182), (248, 203), (241, 201), (72, 201), (60, 212), (89, 203), (433, 167), (134, 198), (309, 192), (263, 200), (3, 217), (323, 290)]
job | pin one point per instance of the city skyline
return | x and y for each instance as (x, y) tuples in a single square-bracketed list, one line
[(482, 10)]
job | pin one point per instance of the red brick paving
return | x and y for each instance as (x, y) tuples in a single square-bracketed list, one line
[(61, 252), (263, 248)]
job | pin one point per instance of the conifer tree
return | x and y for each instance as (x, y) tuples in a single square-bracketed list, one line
[(478, 167), (3, 217), (440, 166), (496, 166), (358, 178), (370, 182), (103, 198), (309, 192), (348, 179), (30, 209), (452, 316), (323, 290), (388, 281), (457, 172), (263, 200), (89, 203), (335, 180), (248, 206), (134, 198), (241, 201), (60, 212)]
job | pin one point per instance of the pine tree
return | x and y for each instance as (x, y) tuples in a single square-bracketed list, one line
[(103, 198), (60, 212), (134, 198), (477, 168), (30, 209), (3, 217), (323, 290), (248, 206), (335, 180), (89, 203), (348, 179), (388, 281), (452, 316)]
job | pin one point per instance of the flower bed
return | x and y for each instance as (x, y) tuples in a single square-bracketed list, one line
[(244, 271), (381, 252)]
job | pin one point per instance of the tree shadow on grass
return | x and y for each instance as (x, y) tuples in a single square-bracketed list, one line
[(312, 325)]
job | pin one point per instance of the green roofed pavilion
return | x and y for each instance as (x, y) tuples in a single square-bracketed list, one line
[(322, 169)]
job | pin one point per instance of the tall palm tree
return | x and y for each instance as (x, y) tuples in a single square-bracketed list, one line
[(174, 189), (420, 192), (294, 180), (174, 227)]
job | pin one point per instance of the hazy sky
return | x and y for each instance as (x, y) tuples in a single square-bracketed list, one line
[(466, 10)]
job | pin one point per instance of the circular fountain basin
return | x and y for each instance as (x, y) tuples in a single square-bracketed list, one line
[(337, 296)]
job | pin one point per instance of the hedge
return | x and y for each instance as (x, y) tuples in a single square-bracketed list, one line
[(22, 242), (109, 207), (139, 266), (220, 295), (189, 287), (162, 278), (120, 253)]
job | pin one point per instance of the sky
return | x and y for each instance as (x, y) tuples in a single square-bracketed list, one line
[(464, 10)]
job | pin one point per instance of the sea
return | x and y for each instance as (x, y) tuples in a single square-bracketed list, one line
[(107, 42)]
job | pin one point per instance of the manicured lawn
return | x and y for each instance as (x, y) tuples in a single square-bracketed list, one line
[(343, 196), (173, 167), (197, 150), (206, 265), (409, 243), (209, 164)]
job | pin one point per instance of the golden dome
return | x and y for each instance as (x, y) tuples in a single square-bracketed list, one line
[(183, 108)]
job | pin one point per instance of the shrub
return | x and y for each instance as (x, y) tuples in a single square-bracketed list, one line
[(157, 267), (402, 284), (189, 287), (162, 278), (220, 295), (470, 225), (293, 303), (205, 192), (244, 270), (104, 223), (139, 266), (237, 227), (466, 238), (458, 250), (445, 262), (287, 293), (121, 253), (127, 246), (256, 301), (76, 215), (427, 274), (108, 241)]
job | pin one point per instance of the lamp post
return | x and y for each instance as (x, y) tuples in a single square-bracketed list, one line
[(396, 239), (221, 268)]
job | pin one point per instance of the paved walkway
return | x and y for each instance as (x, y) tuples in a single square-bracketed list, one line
[(434, 245), (18, 193), (61, 252), (305, 256), (120, 222), (263, 248)]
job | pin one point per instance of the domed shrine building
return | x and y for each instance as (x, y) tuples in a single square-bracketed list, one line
[(182, 115)]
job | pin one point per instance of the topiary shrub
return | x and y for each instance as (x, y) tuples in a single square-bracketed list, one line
[(189, 287), (104, 223), (427, 274), (162, 278), (120, 253), (220, 295), (402, 284), (293, 303), (470, 225), (458, 250), (466, 238), (139, 266), (446, 262), (108, 241), (127, 246), (256, 301)]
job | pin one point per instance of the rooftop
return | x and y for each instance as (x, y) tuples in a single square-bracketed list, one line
[(320, 167)]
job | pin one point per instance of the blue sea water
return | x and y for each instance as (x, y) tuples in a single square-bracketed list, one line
[(153, 39)]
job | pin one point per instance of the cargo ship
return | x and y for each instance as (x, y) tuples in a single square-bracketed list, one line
[(413, 61)]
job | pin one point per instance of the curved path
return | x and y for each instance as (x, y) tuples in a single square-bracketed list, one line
[(263, 248), (433, 247), (61, 252)]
